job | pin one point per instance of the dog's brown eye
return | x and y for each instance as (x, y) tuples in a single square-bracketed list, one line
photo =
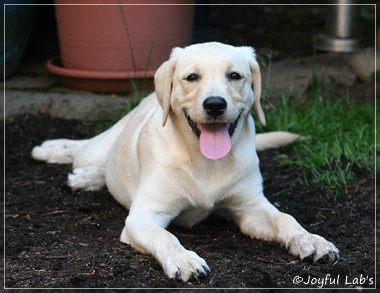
[(234, 76), (192, 77)]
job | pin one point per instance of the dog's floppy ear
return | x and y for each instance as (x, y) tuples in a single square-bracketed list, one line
[(256, 82), (163, 83)]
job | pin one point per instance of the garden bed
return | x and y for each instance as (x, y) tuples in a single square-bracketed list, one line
[(59, 238)]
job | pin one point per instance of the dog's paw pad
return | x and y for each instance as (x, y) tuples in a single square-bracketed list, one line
[(309, 259), (329, 258)]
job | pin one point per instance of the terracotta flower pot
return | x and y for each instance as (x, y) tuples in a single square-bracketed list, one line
[(116, 42)]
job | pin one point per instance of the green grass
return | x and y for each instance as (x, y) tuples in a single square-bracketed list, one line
[(340, 138), (115, 112)]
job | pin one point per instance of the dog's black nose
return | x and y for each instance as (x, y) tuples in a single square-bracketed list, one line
[(215, 106)]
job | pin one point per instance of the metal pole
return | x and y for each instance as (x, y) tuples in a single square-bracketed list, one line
[(339, 36)]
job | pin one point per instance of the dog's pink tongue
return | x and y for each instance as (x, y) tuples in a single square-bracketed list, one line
[(215, 141)]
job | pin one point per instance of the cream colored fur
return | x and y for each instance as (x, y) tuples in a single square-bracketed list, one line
[(151, 163)]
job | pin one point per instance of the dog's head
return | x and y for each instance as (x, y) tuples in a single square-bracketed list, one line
[(212, 86)]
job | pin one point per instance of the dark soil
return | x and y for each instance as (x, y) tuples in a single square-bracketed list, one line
[(59, 238)]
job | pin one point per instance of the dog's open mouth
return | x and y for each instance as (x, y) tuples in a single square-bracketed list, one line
[(214, 138)]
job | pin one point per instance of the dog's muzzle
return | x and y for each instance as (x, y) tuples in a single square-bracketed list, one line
[(195, 129), (214, 138)]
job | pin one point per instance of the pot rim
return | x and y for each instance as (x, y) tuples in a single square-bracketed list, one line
[(54, 65)]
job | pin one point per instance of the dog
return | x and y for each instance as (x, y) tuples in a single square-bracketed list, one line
[(187, 150)]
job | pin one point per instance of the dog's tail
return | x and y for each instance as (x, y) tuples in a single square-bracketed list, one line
[(276, 139)]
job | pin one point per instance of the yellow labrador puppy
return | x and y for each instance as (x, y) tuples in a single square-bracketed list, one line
[(189, 149)]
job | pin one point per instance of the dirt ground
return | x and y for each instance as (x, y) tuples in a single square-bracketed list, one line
[(57, 238)]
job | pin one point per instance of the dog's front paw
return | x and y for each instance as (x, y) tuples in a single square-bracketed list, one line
[(185, 265), (312, 248)]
